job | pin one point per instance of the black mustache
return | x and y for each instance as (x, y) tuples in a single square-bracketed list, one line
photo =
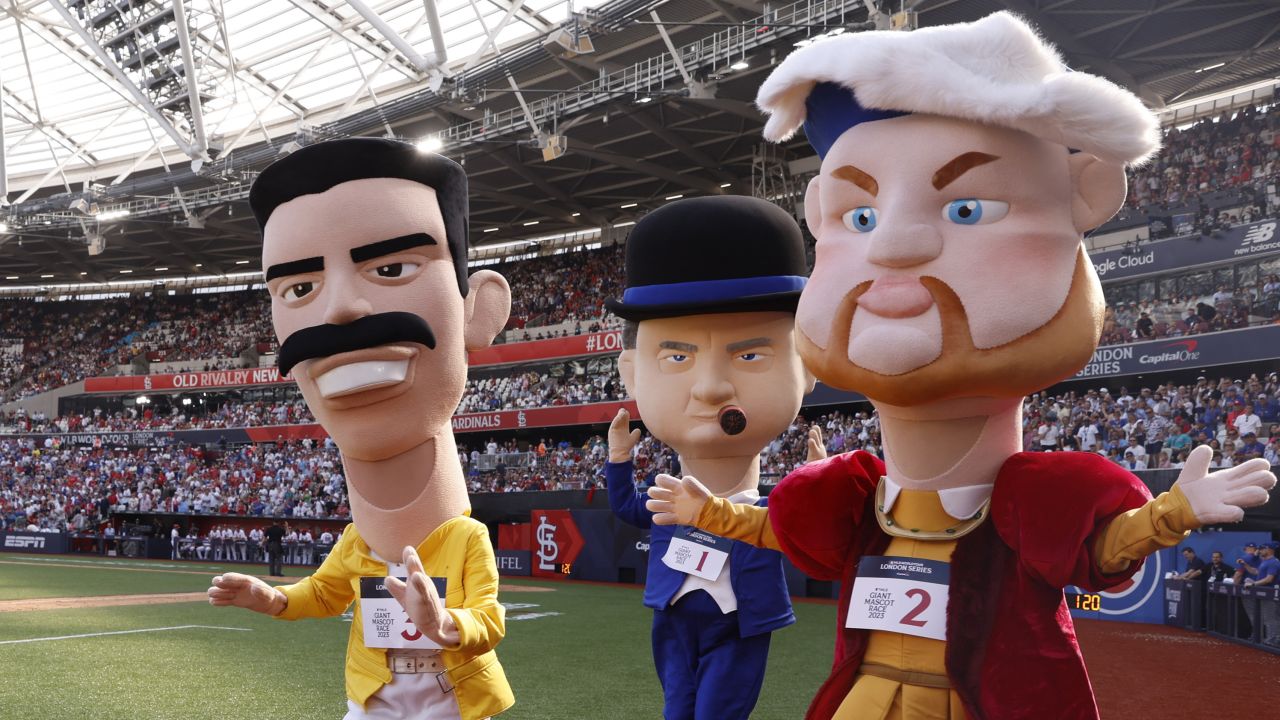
[(369, 331)]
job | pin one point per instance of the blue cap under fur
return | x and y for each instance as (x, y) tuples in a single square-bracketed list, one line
[(831, 109)]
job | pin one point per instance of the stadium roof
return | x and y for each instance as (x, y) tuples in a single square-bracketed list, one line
[(568, 116)]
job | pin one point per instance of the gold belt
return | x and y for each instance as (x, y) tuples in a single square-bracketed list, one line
[(920, 679)]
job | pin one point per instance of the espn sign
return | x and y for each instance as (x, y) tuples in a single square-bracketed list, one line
[(24, 542), (51, 543)]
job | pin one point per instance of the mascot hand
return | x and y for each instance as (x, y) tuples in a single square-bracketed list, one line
[(677, 502), (1222, 496), (247, 592), (621, 440), (422, 603), (817, 449)]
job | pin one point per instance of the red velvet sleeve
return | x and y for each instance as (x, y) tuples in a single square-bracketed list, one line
[(815, 511), (1050, 507)]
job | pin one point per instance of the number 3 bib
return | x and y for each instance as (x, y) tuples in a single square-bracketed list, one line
[(901, 594)]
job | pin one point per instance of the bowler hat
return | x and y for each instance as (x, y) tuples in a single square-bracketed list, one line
[(717, 254)]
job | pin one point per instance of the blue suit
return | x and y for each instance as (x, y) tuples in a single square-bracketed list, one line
[(711, 664)]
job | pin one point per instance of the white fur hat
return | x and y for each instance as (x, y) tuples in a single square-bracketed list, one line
[(996, 70)]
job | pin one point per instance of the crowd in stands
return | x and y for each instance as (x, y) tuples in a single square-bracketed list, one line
[(1239, 154), (67, 487), (565, 287), (64, 342), (535, 388), (1158, 427), (1223, 308), (231, 414), (48, 486)]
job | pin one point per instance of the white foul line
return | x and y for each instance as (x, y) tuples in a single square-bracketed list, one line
[(124, 632)]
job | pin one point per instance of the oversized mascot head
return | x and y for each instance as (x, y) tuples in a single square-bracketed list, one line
[(961, 166)]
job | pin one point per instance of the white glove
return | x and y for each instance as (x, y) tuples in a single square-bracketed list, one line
[(1221, 497)]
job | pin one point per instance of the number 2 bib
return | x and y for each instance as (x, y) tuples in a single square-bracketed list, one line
[(901, 594)]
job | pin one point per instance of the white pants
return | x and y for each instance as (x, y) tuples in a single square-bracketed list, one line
[(409, 696)]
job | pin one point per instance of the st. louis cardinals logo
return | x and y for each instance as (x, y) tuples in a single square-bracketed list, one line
[(556, 541), (548, 548)]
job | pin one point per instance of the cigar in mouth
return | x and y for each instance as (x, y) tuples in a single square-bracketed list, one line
[(732, 420)]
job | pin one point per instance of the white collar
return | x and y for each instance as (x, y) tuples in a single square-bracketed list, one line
[(751, 497), (960, 503)]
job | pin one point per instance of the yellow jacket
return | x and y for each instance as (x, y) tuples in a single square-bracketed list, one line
[(459, 551)]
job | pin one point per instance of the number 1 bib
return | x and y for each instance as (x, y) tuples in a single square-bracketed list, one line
[(697, 552), (901, 594)]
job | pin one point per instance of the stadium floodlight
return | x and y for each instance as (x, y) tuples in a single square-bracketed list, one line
[(113, 214), (430, 144), (740, 65), (4, 228)]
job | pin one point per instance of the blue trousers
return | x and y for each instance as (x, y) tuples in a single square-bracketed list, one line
[(707, 671)]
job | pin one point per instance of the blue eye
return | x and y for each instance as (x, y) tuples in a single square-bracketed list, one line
[(971, 211), (860, 219)]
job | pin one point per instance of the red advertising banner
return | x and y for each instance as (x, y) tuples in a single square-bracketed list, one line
[(573, 346), (272, 433), (185, 381), (542, 417), (556, 542)]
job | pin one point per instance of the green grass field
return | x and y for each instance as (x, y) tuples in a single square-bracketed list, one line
[(592, 660)]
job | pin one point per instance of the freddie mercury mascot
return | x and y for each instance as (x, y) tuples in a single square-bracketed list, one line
[(365, 256), (961, 166), (711, 290)]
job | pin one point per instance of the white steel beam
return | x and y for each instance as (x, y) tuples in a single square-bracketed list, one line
[(413, 56), (57, 170), (437, 35), (492, 39), (4, 172), (529, 17), (276, 98), (141, 99), (201, 145), (671, 48), (382, 65)]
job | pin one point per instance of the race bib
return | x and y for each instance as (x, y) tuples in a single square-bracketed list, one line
[(697, 552), (901, 594), (386, 624)]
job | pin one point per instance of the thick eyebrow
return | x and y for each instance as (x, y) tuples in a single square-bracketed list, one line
[(734, 348), (394, 245), (295, 267), (673, 345), (960, 165), (857, 177)]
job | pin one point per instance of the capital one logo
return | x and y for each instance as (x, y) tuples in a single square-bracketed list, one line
[(556, 540), (1259, 233)]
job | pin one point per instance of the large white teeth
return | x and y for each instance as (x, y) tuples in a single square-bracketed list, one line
[(358, 376)]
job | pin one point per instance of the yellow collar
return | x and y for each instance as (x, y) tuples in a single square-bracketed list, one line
[(960, 503)]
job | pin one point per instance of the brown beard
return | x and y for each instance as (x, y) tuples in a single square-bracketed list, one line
[(1050, 353)]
